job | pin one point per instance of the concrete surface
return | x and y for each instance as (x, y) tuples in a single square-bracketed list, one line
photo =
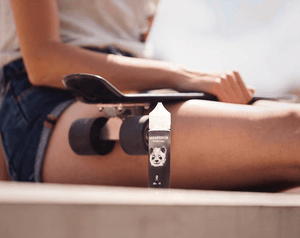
[(45, 210)]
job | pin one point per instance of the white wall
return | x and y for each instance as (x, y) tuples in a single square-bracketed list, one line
[(260, 39)]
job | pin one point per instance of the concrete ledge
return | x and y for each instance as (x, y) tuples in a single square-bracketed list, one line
[(44, 210)]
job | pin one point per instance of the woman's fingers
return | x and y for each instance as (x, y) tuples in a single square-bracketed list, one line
[(220, 90), (231, 88), (251, 90), (244, 91), (235, 88), (232, 97), (227, 87)]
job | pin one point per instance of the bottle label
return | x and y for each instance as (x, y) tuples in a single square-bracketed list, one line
[(159, 159)]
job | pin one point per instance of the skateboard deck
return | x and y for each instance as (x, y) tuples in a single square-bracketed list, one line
[(91, 136), (94, 89)]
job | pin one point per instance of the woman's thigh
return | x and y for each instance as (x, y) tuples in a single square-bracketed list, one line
[(214, 146), (3, 167)]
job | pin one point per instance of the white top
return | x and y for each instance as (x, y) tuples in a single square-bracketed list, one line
[(97, 23)]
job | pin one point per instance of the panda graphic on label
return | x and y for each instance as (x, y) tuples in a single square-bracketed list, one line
[(158, 156)]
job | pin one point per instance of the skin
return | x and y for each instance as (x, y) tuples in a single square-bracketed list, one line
[(215, 145), (3, 171), (236, 148)]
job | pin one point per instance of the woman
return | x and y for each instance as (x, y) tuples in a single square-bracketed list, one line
[(215, 145)]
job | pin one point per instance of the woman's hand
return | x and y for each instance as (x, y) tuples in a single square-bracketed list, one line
[(227, 87)]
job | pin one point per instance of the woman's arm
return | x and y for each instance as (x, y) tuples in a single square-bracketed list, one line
[(48, 60)]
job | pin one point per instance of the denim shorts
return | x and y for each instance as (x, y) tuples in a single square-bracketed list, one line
[(27, 117)]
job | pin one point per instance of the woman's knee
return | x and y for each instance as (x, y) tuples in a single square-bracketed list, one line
[(286, 120)]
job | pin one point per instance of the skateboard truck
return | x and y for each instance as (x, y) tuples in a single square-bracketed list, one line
[(123, 122), (123, 110)]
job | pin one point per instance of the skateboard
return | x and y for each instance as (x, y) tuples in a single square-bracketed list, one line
[(124, 118), (91, 136)]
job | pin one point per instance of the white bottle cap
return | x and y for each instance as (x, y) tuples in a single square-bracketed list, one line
[(159, 118)]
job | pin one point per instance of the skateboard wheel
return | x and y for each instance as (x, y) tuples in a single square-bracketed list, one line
[(134, 135), (84, 137)]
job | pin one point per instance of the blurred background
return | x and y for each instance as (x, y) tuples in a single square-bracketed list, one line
[(259, 38)]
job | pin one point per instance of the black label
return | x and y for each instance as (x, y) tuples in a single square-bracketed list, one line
[(159, 159)]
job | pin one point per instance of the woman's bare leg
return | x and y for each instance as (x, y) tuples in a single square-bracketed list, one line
[(3, 168), (277, 104), (214, 146)]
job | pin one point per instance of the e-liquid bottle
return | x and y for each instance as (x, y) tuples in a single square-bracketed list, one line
[(159, 147)]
